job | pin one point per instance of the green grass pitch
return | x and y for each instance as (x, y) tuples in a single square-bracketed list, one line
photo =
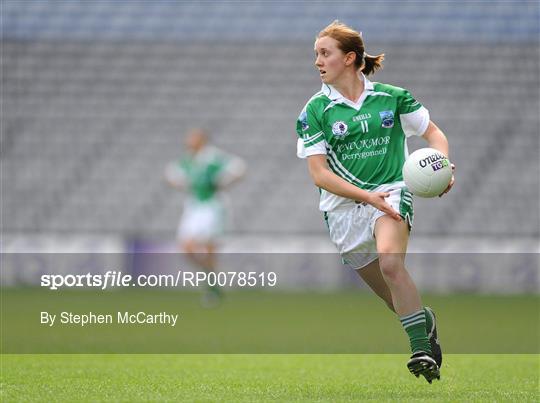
[(349, 322), (292, 377), (491, 346)]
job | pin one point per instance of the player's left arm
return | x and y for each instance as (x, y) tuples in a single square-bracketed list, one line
[(234, 170), (437, 140)]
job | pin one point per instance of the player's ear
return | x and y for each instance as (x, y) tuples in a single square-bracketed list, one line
[(350, 58)]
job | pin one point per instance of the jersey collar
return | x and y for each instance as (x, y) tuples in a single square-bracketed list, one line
[(334, 95), (205, 154)]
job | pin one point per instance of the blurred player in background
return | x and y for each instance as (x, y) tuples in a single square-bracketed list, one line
[(353, 133), (203, 172)]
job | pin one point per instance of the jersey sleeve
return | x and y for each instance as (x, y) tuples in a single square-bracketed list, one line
[(413, 115), (310, 134)]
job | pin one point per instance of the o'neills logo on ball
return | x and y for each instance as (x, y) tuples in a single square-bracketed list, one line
[(339, 129), (437, 161)]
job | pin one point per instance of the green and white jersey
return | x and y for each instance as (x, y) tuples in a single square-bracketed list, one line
[(364, 141), (202, 174)]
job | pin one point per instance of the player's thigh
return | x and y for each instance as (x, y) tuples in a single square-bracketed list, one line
[(391, 236), (189, 245)]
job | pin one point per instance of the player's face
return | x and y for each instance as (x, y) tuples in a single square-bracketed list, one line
[(195, 141), (329, 59)]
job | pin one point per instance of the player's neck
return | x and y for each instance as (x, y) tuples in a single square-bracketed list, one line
[(198, 150), (350, 86)]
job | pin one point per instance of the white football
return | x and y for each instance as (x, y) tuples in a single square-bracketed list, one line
[(427, 172)]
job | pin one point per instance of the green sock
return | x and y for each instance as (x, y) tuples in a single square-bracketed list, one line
[(429, 322), (415, 326), (214, 289)]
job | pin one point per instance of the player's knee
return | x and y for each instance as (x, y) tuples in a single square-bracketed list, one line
[(189, 247), (391, 266)]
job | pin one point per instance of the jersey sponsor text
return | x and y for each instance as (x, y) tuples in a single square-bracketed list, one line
[(363, 144)]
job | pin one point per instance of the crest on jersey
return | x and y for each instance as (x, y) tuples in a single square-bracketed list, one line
[(303, 120), (339, 129), (387, 118)]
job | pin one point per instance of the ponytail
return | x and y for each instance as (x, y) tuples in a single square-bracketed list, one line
[(351, 41), (372, 63)]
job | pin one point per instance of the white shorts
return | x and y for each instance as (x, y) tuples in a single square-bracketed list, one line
[(352, 227), (203, 222)]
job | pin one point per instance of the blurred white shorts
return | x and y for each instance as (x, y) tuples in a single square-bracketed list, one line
[(352, 227), (203, 222)]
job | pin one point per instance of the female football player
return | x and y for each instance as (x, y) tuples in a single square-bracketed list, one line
[(203, 172), (353, 133)]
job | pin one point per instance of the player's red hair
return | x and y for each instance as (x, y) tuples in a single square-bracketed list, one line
[(351, 41)]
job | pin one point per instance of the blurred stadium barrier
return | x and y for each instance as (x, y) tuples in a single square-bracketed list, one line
[(296, 266)]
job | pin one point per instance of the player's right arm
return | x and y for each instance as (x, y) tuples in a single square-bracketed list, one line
[(325, 179)]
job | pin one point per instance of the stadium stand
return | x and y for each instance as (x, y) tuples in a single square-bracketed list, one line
[(96, 97)]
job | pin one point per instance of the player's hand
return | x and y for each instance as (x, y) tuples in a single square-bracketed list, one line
[(451, 181), (377, 200)]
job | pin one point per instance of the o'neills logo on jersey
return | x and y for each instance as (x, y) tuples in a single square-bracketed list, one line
[(437, 161), (339, 129)]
